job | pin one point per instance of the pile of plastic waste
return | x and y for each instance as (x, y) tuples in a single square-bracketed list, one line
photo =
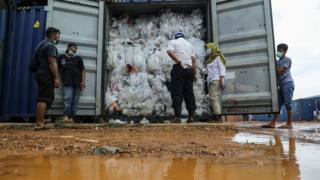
[(138, 65)]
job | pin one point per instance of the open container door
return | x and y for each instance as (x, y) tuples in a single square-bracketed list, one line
[(82, 22), (244, 31)]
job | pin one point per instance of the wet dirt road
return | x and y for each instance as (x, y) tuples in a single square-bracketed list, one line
[(161, 152)]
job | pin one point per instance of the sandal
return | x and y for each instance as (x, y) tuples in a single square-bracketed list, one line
[(40, 128), (285, 127), (268, 126)]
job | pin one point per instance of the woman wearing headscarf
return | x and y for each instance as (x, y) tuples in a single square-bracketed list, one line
[(216, 69)]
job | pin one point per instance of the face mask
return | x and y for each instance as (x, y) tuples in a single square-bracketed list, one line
[(71, 53), (279, 55), (55, 42), (209, 52)]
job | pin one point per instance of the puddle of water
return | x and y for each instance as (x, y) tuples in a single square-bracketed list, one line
[(246, 137), (301, 158), (286, 159), (97, 168)]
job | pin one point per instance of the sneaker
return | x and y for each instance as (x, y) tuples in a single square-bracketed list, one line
[(66, 119)]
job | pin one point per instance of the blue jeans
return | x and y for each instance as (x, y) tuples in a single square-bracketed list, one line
[(71, 99), (285, 95)]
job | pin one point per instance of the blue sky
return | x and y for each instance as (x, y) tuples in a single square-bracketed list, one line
[(297, 23)]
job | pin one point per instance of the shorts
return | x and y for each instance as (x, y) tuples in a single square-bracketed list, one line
[(285, 95), (46, 89)]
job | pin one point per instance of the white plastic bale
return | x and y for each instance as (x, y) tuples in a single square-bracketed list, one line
[(143, 42)]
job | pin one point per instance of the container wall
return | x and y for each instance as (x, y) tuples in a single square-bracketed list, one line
[(3, 35), (307, 108), (26, 30), (244, 31), (262, 117), (295, 112), (81, 23), (303, 110)]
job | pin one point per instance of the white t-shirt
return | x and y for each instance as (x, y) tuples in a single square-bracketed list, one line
[(183, 50), (215, 70)]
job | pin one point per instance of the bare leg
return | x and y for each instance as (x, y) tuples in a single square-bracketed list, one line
[(289, 122), (41, 110), (274, 120), (272, 124)]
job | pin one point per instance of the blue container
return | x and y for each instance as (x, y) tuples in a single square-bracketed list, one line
[(307, 106), (283, 114), (140, 0), (118, 1), (295, 112), (262, 117), (303, 110), (3, 24), (18, 98), (3, 37)]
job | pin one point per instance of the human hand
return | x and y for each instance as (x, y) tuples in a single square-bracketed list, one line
[(57, 83)]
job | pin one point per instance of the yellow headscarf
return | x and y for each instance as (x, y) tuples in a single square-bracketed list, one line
[(214, 54)]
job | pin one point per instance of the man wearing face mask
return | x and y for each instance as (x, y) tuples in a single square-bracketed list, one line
[(73, 78), (285, 86), (216, 69), (47, 74)]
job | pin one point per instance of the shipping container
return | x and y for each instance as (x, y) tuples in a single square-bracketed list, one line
[(26, 30), (242, 28), (245, 35), (3, 35), (82, 23), (307, 108), (302, 109), (295, 112)]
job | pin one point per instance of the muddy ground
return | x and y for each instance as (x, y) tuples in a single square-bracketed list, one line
[(209, 140)]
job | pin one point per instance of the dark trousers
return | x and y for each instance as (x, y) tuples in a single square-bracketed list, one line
[(181, 88)]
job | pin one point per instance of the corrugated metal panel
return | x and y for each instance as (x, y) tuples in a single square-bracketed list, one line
[(3, 35), (307, 106), (303, 110), (81, 22), (19, 86), (262, 117), (244, 31)]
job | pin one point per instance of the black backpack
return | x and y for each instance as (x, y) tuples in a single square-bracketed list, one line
[(35, 61)]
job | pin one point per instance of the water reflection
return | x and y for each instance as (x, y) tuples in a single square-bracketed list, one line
[(287, 168), (289, 161), (279, 162)]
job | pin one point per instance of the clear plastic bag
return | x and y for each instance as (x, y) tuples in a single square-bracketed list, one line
[(142, 41)]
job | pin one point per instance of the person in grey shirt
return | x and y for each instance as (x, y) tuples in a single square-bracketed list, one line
[(285, 86)]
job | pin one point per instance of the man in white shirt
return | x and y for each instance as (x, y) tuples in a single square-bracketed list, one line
[(182, 76), (215, 66)]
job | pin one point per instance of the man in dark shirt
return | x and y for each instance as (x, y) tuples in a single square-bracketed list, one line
[(73, 78), (47, 74)]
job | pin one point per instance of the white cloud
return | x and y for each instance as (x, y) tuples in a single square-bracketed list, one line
[(297, 24)]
